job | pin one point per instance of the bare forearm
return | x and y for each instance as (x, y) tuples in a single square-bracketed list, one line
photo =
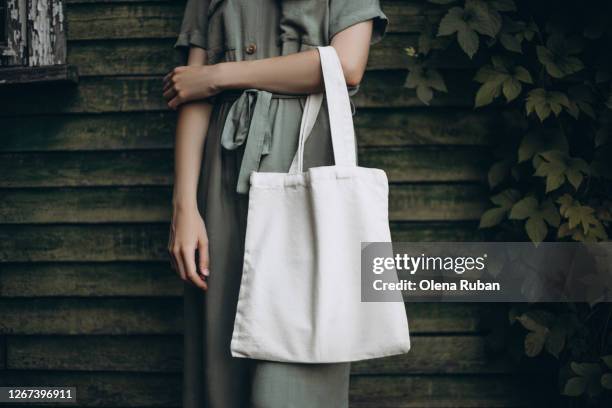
[(192, 125), (300, 72), (189, 142)]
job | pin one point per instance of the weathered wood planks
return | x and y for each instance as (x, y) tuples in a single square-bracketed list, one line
[(134, 316), (161, 19), (381, 89), (113, 131), (107, 316), (40, 243), (96, 280), (101, 389), (154, 167), (407, 202), (148, 242), (435, 391), (440, 354), (87, 296), (104, 389), (155, 130)]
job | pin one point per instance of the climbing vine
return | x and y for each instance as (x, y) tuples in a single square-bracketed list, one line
[(548, 63)]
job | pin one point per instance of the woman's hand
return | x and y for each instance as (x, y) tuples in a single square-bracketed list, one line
[(188, 235), (188, 83)]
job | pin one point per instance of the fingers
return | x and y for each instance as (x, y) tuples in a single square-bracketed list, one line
[(175, 102), (189, 265), (173, 265), (174, 97), (203, 257), (176, 258), (178, 263), (183, 261), (170, 93), (168, 80), (168, 85), (169, 77), (172, 260), (170, 252)]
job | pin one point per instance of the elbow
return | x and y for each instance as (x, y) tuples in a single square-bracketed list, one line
[(353, 79), (353, 73), (353, 64)]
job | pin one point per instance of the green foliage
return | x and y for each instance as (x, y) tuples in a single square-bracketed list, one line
[(560, 77), (535, 142), (543, 102), (476, 17), (588, 380), (504, 202), (572, 335), (558, 56), (581, 99), (537, 216), (581, 222), (498, 78), (549, 64), (557, 166), (545, 331), (425, 81)]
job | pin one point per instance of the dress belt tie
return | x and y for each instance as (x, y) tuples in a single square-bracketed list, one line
[(249, 120)]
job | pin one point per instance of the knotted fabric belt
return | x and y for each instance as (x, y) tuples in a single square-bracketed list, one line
[(249, 120)]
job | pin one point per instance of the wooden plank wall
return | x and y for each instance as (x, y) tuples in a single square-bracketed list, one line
[(86, 295)]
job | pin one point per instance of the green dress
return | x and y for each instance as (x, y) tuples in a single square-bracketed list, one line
[(254, 130)]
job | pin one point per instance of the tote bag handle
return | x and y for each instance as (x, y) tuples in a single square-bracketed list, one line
[(340, 114)]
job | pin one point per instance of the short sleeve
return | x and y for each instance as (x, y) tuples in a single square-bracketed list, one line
[(345, 13), (194, 27)]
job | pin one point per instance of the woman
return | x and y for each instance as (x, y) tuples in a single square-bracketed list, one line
[(240, 98)]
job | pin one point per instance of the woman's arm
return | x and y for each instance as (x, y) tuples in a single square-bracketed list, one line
[(298, 73), (188, 232)]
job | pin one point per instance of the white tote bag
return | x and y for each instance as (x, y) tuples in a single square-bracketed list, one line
[(300, 294)]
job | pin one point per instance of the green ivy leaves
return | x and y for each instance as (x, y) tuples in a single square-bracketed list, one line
[(504, 202), (581, 99), (545, 331), (476, 17), (558, 56), (535, 142), (581, 225), (538, 215), (543, 102), (587, 380), (590, 378), (557, 166), (552, 170), (551, 53), (497, 79), (425, 81), (536, 337), (455, 22), (513, 33)]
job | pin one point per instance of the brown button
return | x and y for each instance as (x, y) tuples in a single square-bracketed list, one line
[(251, 48)]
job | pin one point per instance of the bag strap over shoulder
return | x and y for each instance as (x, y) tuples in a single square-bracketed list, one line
[(340, 114)]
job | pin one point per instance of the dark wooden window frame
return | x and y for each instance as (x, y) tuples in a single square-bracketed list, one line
[(35, 50)]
